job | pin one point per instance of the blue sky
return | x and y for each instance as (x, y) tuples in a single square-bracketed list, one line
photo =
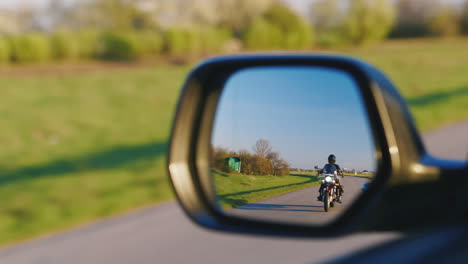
[(306, 113)]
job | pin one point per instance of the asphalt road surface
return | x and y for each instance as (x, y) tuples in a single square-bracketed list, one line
[(162, 234), (450, 142), (301, 206)]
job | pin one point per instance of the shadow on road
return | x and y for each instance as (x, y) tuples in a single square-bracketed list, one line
[(279, 207), (115, 157)]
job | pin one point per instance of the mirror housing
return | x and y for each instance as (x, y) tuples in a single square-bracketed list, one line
[(404, 171)]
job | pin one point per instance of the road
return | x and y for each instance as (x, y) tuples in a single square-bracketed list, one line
[(450, 142), (162, 234), (301, 206)]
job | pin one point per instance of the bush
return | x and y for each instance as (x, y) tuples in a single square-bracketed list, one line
[(5, 51), (193, 39), (30, 48), (299, 37), (295, 32), (64, 46), (89, 43), (120, 46), (219, 156), (175, 42), (332, 39), (280, 28), (183, 42), (262, 162), (327, 20), (214, 40), (151, 41), (262, 35), (368, 21), (261, 165)]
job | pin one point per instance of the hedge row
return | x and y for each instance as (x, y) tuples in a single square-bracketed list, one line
[(129, 45), (180, 42), (263, 35)]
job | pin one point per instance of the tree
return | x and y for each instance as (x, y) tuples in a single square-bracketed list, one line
[(246, 164), (262, 148), (325, 15), (413, 18), (367, 21), (261, 165), (282, 17), (237, 15), (464, 19), (327, 19), (28, 48), (263, 161), (280, 166), (64, 45), (445, 22), (116, 15), (5, 51), (27, 18), (183, 13), (8, 23), (204, 12), (295, 32), (262, 35), (275, 160), (278, 28), (59, 15)]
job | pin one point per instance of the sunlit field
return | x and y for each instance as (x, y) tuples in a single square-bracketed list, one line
[(81, 147), (432, 75)]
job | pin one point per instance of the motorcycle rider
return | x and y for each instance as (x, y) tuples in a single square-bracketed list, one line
[(330, 168)]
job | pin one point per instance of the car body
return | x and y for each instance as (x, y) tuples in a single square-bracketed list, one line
[(397, 199)]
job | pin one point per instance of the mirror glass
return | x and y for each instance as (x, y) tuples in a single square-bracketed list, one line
[(275, 131)]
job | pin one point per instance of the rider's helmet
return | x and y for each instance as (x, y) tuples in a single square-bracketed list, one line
[(331, 159)]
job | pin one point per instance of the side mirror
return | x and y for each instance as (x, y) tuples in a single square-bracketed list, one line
[(249, 130)]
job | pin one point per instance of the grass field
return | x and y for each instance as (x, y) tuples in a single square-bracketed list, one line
[(81, 146), (432, 74), (237, 189)]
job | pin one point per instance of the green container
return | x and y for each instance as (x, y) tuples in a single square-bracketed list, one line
[(234, 163)]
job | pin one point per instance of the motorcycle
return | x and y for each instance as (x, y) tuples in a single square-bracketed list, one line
[(329, 192)]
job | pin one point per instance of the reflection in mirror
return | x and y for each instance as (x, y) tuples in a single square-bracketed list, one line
[(291, 144)]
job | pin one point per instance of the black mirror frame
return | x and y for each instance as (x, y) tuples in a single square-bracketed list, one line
[(189, 155)]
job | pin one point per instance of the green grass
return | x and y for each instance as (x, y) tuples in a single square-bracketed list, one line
[(432, 74), (235, 189), (79, 147), (362, 175)]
